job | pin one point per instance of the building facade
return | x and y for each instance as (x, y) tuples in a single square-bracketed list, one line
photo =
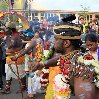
[(55, 14), (32, 10)]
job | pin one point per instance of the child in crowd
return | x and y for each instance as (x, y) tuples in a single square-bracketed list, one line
[(91, 41)]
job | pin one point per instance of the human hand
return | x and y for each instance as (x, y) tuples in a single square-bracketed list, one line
[(14, 58), (35, 66), (39, 72)]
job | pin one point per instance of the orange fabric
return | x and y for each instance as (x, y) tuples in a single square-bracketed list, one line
[(53, 71), (19, 61)]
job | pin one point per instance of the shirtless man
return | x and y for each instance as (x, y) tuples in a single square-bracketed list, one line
[(36, 48), (67, 41), (13, 46)]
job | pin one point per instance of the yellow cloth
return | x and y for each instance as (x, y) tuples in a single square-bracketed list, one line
[(49, 92), (53, 71), (84, 28), (64, 94), (9, 61)]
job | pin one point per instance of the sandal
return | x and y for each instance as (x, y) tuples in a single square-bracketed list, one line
[(7, 87)]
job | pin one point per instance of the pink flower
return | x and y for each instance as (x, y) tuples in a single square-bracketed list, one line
[(62, 61), (67, 62), (66, 72), (66, 67)]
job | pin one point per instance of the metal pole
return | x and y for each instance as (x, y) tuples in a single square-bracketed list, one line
[(8, 10), (29, 9)]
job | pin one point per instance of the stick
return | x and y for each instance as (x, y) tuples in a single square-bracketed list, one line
[(19, 79)]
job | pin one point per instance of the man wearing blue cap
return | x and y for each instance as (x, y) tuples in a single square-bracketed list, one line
[(13, 46)]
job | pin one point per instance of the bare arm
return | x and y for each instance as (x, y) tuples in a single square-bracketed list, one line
[(25, 41), (49, 63), (31, 45)]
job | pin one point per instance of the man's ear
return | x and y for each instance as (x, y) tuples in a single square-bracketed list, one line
[(66, 43)]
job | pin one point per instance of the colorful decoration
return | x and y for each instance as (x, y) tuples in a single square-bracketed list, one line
[(38, 52), (61, 87), (92, 65), (48, 55), (14, 17), (44, 80)]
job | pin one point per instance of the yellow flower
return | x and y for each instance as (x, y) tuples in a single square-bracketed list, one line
[(97, 84), (97, 76), (80, 59), (96, 70), (95, 64)]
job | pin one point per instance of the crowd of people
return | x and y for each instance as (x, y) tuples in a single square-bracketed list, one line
[(53, 59)]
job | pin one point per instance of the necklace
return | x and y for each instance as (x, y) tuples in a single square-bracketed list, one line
[(69, 55), (61, 81)]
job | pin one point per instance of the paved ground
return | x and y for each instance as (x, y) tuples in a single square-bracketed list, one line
[(13, 95)]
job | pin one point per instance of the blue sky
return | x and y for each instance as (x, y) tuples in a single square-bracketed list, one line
[(70, 4)]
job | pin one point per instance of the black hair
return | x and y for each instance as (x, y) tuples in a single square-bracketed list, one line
[(36, 31), (77, 45), (13, 29), (91, 37), (81, 17)]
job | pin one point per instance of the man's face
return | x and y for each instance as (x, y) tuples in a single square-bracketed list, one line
[(92, 46), (58, 45), (93, 17), (82, 21), (41, 26), (37, 34)]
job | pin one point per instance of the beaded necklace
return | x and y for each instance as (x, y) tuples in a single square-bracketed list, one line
[(65, 62)]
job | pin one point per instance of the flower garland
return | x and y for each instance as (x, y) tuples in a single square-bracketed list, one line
[(44, 80), (62, 87), (93, 64), (39, 52)]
